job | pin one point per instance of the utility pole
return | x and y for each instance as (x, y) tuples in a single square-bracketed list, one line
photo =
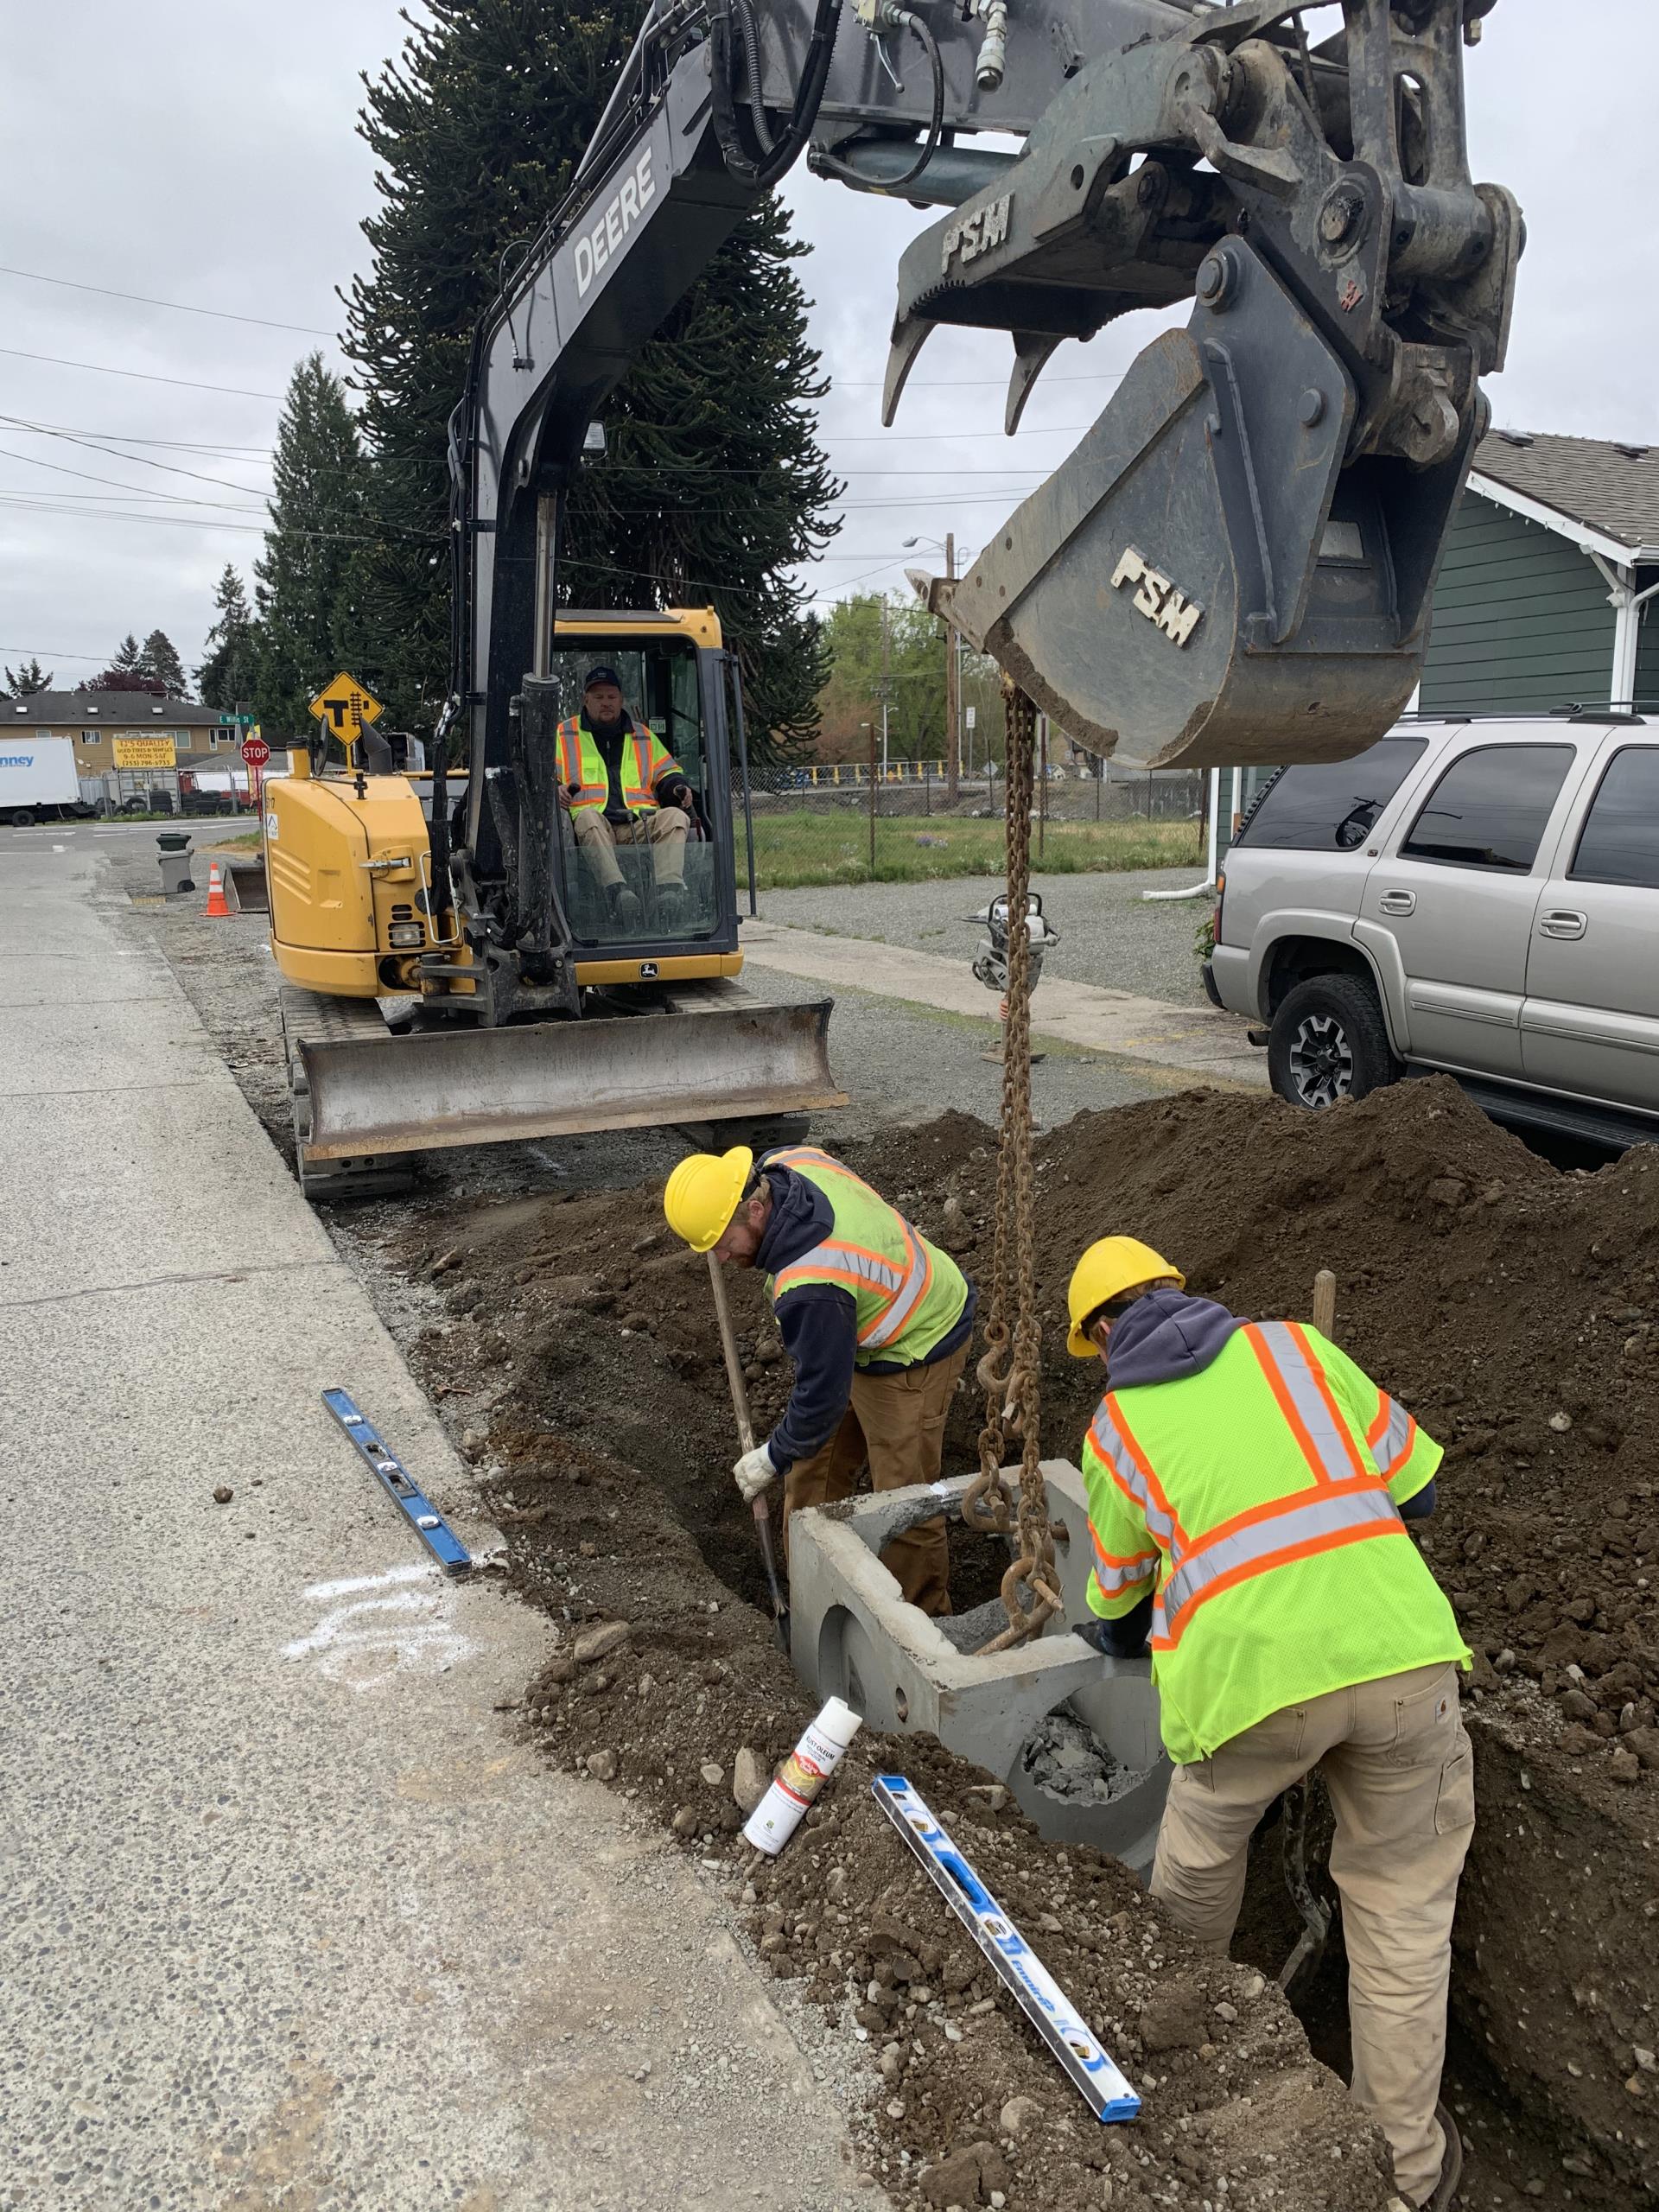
[(886, 694), (953, 691)]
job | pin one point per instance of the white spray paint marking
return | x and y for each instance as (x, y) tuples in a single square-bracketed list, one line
[(60, 848), (391, 1623)]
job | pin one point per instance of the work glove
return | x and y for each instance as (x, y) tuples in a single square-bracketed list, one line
[(754, 1472), (676, 792), (1093, 1633)]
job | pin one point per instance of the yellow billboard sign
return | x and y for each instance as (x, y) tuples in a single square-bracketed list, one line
[(145, 753)]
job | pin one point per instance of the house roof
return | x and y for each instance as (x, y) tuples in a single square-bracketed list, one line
[(1602, 493), (109, 709)]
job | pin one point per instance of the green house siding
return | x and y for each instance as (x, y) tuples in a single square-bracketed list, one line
[(1647, 645), (1522, 621)]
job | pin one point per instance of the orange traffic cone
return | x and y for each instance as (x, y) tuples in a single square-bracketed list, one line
[(217, 907)]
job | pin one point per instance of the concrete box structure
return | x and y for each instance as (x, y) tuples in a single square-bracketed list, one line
[(854, 1637)]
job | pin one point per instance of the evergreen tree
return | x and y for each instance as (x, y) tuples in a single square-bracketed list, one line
[(228, 671), (714, 485), (126, 672), (24, 682), (308, 575), (159, 661)]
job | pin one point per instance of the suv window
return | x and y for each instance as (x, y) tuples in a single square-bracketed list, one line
[(1619, 843), (1489, 808), (1330, 807)]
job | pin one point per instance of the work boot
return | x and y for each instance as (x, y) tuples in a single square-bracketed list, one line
[(1445, 2189), (626, 910), (671, 906)]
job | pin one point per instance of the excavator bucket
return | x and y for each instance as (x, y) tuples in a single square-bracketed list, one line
[(371, 1095), (1209, 580)]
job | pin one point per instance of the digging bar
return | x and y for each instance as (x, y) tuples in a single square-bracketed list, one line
[(746, 1438)]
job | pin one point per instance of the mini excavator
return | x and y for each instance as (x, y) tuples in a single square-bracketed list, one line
[(1235, 565)]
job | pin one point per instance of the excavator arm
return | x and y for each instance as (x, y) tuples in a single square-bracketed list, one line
[(1236, 564)]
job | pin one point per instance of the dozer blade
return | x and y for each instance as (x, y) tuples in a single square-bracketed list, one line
[(560, 1079), (1210, 579)]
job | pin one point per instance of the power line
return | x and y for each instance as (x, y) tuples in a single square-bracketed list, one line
[(141, 299), (102, 369), (134, 460), (137, 491)]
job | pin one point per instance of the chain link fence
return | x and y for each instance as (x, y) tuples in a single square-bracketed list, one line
[(832, 822)]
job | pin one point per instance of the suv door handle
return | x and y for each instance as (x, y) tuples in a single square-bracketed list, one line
[(1397, 902), (1563, 921)]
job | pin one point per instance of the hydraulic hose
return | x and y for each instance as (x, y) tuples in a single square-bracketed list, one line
[(829, 165), (743, 14), (752, 165)]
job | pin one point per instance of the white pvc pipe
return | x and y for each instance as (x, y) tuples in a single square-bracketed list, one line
[(1207, 889)]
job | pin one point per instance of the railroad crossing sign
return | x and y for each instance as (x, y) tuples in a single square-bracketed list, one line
[(345, 708), (255, 752)]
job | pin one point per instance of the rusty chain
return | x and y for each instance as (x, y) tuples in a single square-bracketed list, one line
[(1010, 1369)]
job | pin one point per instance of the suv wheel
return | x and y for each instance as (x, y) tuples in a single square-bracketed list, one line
[(1327, 1042)]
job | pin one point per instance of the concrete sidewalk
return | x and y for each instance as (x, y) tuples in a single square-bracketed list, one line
[(1194, 1042), (293, 1918)]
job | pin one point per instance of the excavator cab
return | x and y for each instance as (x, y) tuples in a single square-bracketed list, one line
[(674, 682)]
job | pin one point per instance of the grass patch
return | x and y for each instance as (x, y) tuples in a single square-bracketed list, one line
[(809, 846), (247, 843)]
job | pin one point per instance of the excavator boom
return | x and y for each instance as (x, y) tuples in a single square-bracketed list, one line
[(1236, 562)]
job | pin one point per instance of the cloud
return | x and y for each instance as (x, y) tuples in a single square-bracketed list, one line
[(210, 156)]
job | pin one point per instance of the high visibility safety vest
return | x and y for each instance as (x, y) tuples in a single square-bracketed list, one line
[(1260, 1498), (645, 758), (909, 1294)]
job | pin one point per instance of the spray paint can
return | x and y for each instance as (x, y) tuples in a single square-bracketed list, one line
[(801, 1776)]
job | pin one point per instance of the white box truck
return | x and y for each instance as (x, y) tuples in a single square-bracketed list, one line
[(38, 779)]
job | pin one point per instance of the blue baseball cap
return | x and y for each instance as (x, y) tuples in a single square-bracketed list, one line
[(600, 675)]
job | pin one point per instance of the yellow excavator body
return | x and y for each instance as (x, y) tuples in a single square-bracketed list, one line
[(356, 932)]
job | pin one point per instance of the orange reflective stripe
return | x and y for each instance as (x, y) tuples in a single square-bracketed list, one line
[(1304, 1398), (918, 1275), (1344, 1435), (1115, 1575), (1152, 1496), (1165, 1639), (1385, 1406)]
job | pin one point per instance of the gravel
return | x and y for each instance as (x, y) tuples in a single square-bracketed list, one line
[(900, 1062), (1109, 935)]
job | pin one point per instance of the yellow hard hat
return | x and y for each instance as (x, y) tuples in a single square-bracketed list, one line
[(1109, 1267), (702, 1194)]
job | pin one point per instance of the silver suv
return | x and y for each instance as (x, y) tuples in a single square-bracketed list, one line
[(1479, 896)]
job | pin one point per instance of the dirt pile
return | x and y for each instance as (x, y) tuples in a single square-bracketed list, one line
[(1514, 1308)]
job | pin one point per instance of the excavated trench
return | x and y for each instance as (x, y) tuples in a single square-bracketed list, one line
[(1514, 1307)]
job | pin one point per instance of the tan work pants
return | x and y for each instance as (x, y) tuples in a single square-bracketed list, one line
[(896, 1423), (664, 829), (1400, 1774)]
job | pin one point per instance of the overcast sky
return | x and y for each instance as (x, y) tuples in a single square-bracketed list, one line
[(206, 155)]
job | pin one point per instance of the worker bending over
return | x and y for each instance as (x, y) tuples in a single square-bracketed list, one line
[(1246, 1487), (876, 1319), (620, 786)]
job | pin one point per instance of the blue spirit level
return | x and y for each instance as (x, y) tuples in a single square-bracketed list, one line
[(416, 1509), (1050, 2011)]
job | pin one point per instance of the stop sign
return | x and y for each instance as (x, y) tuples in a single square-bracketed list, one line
[(255, 752)]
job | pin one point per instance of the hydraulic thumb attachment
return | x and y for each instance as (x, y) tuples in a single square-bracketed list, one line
[(1235, 565)]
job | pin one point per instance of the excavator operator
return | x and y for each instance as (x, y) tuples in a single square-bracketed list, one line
[(620, 786)]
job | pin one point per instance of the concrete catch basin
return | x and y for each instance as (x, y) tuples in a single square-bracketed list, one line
[(1073, 1735)]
